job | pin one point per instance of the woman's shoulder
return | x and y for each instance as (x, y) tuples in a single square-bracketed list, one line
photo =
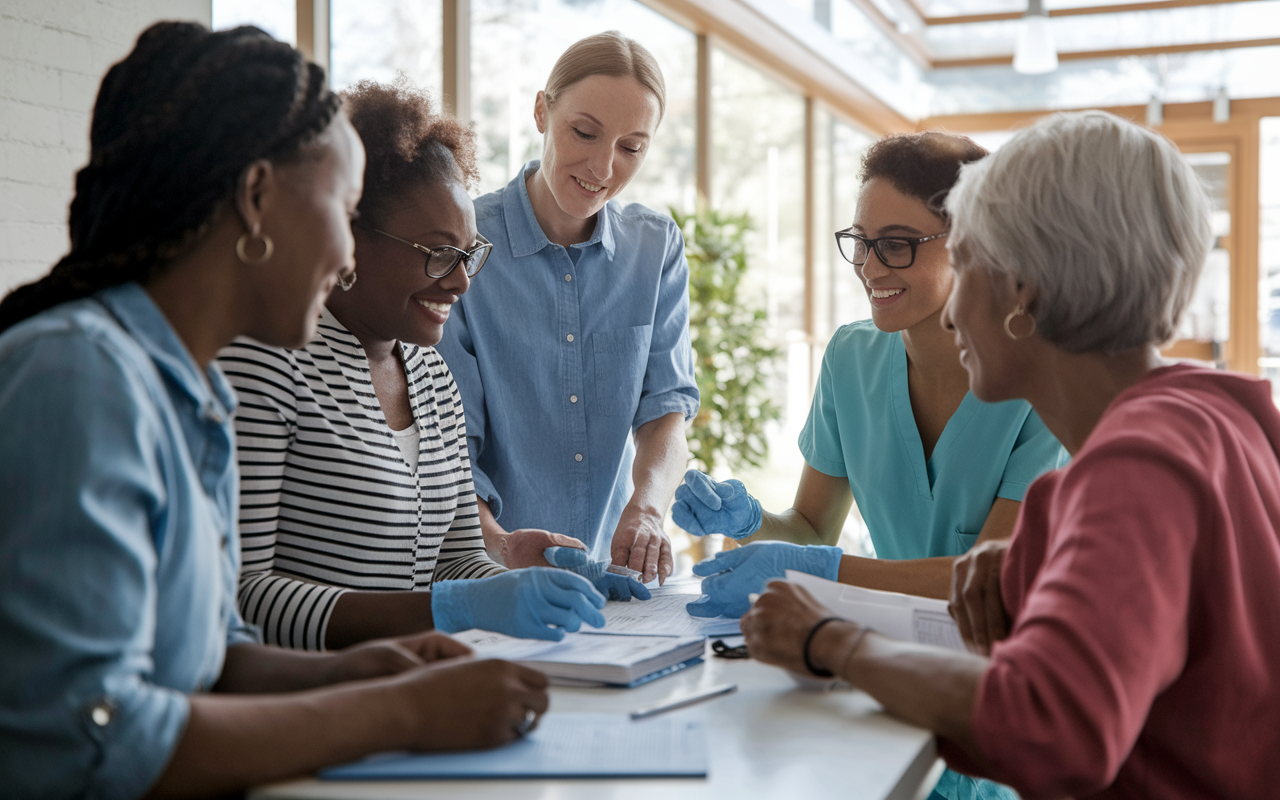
[(77, 334), (1189, 412), (860, 337)]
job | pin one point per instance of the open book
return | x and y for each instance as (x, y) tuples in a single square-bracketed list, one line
[(584, 659), (924, 620)]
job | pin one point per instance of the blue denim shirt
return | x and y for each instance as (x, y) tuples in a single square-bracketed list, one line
[(118, 545), (560, 353)]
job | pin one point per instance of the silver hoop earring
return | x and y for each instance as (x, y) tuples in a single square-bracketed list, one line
[(1016, 313), (347, 279), (268, 247)]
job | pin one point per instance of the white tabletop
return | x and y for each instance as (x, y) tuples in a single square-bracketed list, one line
[(770, 739)]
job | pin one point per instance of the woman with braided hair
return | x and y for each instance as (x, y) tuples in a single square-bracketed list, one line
[(217, 202)]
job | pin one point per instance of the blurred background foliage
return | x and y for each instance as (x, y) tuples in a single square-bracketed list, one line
[(734, 358)]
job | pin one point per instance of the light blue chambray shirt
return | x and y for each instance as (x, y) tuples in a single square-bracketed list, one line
[(118, 545), (561, 353)]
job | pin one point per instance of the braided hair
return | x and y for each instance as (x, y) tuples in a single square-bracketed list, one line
[(175, 125)]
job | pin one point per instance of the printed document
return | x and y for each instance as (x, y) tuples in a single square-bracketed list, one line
[(924, 620), (663, 615)]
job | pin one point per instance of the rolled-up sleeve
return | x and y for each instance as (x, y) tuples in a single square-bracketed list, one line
[(79, 467), (669, 384)]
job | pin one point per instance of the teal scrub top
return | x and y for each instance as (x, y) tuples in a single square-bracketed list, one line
[(861, 427)]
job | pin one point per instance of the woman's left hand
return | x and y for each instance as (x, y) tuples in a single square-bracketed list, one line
[(778, 623), (640, 543), (384, 657)]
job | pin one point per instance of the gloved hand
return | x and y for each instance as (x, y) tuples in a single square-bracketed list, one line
[(614, 587), (532, 603), (733, 574), (706, 506)]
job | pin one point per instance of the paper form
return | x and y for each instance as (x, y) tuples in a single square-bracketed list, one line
[(574, 648), (662, 615), (563, 745), (924, 620)]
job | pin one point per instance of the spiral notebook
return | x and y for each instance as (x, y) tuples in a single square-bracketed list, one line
[(562, 746)]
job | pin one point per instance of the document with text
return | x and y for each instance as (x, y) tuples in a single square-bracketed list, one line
[(924, 620), (663, 615)]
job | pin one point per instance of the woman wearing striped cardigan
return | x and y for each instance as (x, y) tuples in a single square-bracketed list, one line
[(357, 511)]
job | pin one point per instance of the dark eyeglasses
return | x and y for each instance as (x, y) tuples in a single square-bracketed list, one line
[(442, 260), (895, 252)]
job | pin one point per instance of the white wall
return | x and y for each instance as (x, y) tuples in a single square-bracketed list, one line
[(53, 54)]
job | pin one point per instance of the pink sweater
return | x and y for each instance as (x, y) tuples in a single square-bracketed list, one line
[(1144, 585)]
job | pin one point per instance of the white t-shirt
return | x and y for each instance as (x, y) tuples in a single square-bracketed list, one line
[(407, 440)]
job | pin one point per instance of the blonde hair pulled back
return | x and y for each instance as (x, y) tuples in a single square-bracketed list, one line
[(612, 54)]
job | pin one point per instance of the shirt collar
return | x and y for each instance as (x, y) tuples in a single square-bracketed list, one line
[(525, 234), (145, 322)]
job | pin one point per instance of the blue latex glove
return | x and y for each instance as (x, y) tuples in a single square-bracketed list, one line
[(733, 574), (532, 603), (614, 587), (706, 506)]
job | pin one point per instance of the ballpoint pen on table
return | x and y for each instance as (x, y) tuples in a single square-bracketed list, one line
[(681, 702)]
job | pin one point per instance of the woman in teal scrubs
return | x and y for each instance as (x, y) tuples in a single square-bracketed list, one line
[(893, 424)]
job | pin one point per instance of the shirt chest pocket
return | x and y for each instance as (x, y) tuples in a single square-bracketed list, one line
[(619, 358)]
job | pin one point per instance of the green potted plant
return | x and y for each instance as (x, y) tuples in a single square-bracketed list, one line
[(733, 357)]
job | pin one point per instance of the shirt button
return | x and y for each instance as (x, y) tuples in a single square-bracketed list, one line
[(573, 398), (577, 456), (569, 338), (101, 714), (568, 278)]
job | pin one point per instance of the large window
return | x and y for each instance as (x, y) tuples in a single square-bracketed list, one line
[(378, 39), (1269, 250), (758, 138), (514, 44), (277, 17)]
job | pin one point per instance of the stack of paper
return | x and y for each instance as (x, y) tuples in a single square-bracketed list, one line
[(583, 659), (562, 746), (899, 616)]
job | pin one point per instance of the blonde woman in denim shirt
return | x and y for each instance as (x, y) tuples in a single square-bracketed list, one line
[(216, 202), (572, 355)]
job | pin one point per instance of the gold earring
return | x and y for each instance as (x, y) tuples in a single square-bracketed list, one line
[(268, 247), (1015, 313), (347, 279)]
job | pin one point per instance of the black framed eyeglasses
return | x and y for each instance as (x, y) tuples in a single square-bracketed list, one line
[(895, 252), (442, 260)]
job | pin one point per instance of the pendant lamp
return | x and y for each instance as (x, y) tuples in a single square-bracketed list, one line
[(1035, 53)]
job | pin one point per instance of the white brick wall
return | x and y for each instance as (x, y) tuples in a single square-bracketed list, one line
[(53, 54)]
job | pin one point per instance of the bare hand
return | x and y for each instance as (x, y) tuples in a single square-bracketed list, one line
[(975, 604), (779, 622), (464, 705), (524, 547), (640, 543), (384, 657)]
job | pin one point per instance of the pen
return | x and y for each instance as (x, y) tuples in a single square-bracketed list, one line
[(681, 702)]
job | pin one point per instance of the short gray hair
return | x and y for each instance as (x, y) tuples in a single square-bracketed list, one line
[(1105, 220)]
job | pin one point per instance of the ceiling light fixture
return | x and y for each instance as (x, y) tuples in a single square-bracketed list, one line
[(1035, 53)]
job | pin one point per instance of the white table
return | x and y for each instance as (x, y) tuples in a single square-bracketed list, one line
[(769, 739)]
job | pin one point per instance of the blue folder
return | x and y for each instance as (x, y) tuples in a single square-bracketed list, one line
[(562, 746)]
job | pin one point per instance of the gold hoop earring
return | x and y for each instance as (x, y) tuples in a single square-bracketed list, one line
[(268, 247), (347, 279), (1015, 313)]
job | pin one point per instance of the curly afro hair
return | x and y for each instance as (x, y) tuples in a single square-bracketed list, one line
[(921, 165), (406, 142)]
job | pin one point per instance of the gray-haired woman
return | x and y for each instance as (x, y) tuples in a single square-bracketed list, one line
[(1142, 579)]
